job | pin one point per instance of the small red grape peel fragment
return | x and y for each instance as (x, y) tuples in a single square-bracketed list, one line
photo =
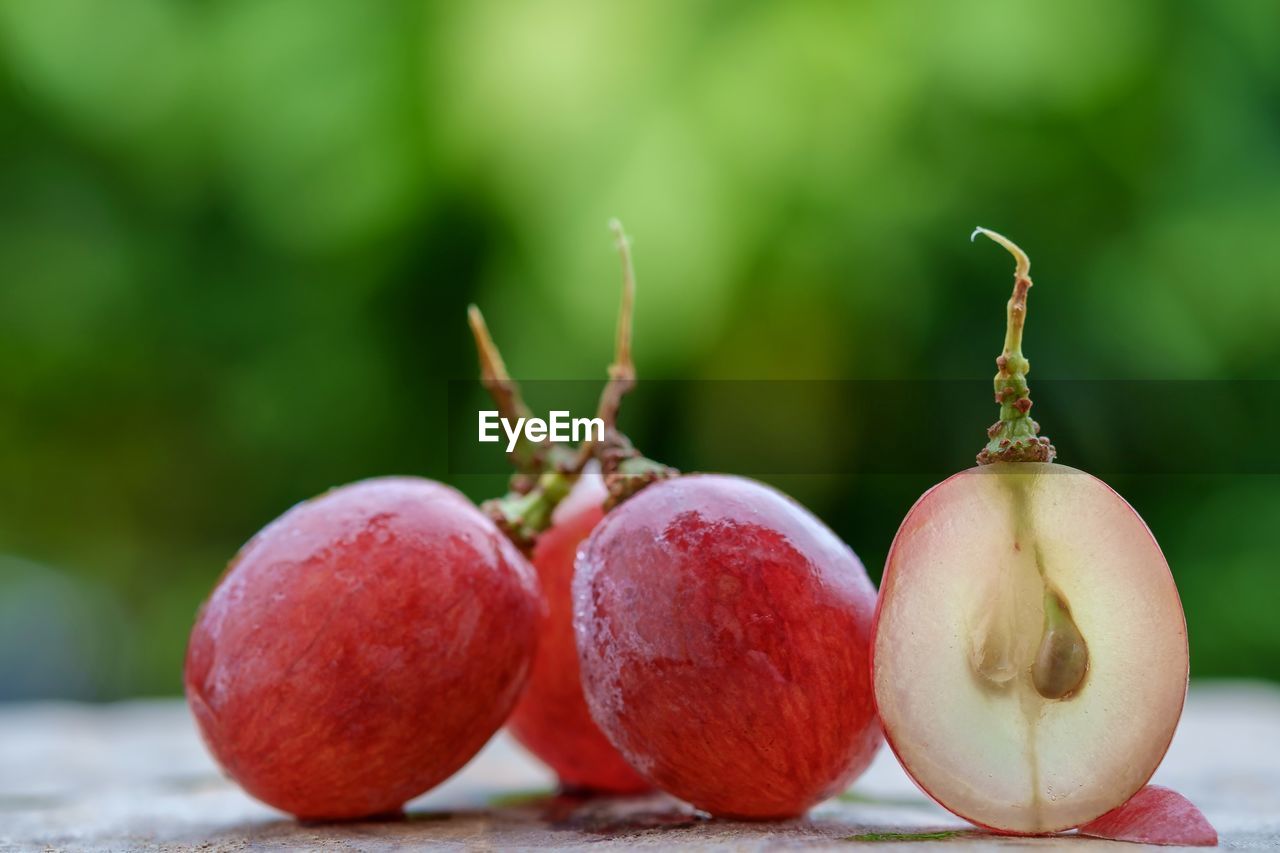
[(722, 630), (1030, 652), (1155, 815), (551, 508)]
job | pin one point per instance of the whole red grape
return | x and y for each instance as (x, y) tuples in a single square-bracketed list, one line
[(361, 648), (723, 633), (551, 718)]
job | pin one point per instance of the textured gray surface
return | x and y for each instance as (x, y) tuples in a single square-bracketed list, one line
[(134, 776)]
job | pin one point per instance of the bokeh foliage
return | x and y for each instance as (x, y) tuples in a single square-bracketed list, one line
[(237, 238)]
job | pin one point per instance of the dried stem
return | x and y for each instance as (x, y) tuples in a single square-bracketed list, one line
[(1017, 307), (626, 470), (545, 472), (622, 372), (493, 371)]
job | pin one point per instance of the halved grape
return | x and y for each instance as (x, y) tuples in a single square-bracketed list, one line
[(1030, 652)]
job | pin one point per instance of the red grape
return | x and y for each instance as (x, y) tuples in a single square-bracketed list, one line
[(551, 718), (552, 507), (723, 632), (361, 648)]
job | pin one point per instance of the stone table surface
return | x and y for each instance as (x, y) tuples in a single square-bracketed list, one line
[(135, 776)]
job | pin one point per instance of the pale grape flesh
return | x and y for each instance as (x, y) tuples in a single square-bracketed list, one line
[(1060, 660)]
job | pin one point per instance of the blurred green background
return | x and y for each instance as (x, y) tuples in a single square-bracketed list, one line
[(237, 238)]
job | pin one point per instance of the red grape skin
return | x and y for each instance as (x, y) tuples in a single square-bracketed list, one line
[(723, 633), (551, 719), (361, 648), (1155, 815)]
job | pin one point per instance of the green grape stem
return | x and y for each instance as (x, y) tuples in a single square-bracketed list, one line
[(524, 516), (1016, 436)]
